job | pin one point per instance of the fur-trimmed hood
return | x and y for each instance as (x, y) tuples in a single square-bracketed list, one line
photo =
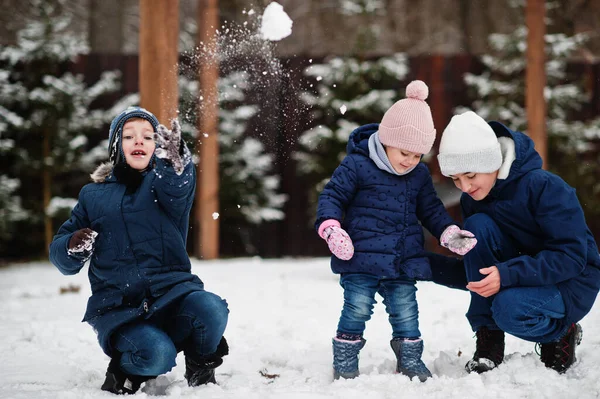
[(102, 172)]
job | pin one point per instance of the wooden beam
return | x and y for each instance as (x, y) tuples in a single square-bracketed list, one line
[(536, 76), (207, 187), (158, 60)]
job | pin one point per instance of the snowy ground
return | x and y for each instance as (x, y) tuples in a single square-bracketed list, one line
[(283, 314)]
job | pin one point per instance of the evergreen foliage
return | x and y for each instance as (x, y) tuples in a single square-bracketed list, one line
[(46, 114), (499, 93)]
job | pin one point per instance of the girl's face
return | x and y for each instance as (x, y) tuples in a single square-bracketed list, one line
[(477, 185), (138, 143), (402, 160)]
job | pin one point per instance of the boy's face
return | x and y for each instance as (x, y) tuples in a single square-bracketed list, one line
[(138, 143), (477, 185), (402, 160)]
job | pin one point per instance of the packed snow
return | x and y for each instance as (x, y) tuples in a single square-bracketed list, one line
[(283, 315), (276, 24)]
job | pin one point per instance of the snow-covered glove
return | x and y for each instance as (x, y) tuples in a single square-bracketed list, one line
[(337, 239), (170, 146), (81, 243), (457, 240)]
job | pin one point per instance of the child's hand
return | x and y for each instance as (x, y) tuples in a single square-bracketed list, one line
[(82, 242), (339, 242), (458, 241), (168, 144)]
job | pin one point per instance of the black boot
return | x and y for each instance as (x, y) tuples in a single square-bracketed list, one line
[(200, 370), (489, 352), (560, 355), (119, 382)]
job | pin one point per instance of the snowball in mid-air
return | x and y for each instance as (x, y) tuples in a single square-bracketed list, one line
[(276, 24)]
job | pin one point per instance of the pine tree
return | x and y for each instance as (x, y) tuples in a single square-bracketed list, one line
[(349, 92), (45, 111), (499, 94)]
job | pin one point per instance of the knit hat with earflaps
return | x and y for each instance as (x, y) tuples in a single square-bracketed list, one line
[(469, 145), (116, 130), (408, 123)]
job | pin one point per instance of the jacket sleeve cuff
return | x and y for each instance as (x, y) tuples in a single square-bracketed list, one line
[(327, 223), (505, 280)]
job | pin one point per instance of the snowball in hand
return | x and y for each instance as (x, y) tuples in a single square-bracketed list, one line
[(276, 24)]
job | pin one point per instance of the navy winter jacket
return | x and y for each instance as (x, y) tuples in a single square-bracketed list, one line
[(139, 264), (542, 215), (381, 213)]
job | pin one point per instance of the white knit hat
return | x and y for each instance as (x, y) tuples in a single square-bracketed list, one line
[(469, 145)]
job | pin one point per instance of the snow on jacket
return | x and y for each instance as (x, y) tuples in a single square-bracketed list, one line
[(381, 213), (542, 215), (139, 264)]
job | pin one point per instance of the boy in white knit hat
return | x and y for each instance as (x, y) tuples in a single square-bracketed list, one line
[(369, 214), (535, 272)]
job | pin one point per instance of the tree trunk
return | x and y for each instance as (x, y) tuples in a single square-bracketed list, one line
[(207, 188), (536, 77), (159, 53)]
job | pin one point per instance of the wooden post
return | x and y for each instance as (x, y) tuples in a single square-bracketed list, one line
[(158, 60), (207, 187), (536, 76)]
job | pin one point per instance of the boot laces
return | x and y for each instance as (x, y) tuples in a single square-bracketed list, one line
[(559, 354)]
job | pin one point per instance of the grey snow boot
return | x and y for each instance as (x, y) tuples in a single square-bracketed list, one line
[(345, 358), (408, 353)]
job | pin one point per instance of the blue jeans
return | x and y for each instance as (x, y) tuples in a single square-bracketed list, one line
[(195, 324), (530, 313), (399, 298)]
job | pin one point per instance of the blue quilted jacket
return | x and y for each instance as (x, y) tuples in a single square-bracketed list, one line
[(139, 264), (382, 213)]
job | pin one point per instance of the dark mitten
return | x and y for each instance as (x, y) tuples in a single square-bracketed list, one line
[(171, 148), (82, 242)]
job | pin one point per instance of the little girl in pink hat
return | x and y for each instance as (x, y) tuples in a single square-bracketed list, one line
[(371, 214)]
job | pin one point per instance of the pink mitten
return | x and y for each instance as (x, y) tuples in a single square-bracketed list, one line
[(338, 240), (458, 241)]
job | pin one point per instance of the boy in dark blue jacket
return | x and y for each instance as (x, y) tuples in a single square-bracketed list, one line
[(370, 214), (132, 223), (536, 270)]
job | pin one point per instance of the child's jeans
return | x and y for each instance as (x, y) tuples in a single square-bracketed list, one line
[(399, 298), (149, 348), (530, 313)]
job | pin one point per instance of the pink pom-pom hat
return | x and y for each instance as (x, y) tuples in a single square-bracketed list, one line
[(408, 123)]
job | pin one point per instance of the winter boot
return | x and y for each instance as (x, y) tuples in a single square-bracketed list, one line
[(345, 358), (489, 352), (408, 355), (200, 370), (560, 355), (119, 382)]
